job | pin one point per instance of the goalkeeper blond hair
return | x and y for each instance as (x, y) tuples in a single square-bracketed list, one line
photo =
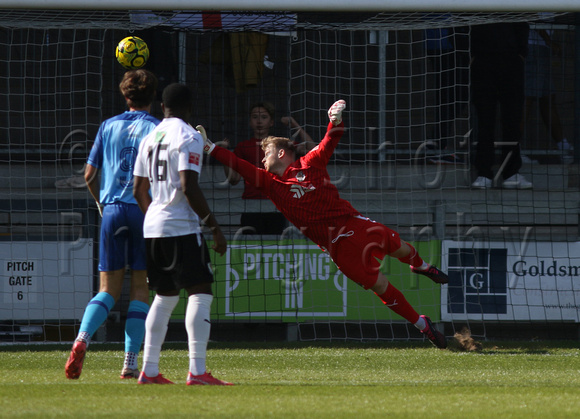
[(279, 143)]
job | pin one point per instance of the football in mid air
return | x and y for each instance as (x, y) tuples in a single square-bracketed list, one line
[(132, 52)]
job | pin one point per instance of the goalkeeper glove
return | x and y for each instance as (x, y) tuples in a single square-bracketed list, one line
[(335, 112), (208, 146)]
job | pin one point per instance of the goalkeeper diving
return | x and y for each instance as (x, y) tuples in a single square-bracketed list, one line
[(302, 191)]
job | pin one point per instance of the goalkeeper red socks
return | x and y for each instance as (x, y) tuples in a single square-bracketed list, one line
[(396, 301), (412, 258)]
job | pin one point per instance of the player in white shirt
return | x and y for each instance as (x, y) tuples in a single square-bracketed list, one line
[(168, 164)]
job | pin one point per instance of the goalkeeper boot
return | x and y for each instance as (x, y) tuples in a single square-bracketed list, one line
[(435, 336), (74, 365), (433, 274), (129, 373), (205, 379), (158, 379)]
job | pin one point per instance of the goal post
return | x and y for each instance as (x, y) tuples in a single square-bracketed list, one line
[(405, 161), (306, 5)]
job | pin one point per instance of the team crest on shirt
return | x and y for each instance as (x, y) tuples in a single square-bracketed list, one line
[(300, 177), (159, 136)]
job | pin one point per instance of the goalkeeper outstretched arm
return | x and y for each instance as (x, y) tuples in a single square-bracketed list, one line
[(252, 174), (262, 179)]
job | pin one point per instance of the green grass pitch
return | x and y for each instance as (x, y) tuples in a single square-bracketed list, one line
[(303, 380)]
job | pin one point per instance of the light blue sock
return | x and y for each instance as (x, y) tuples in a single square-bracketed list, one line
[(135, 325), (96, 313)]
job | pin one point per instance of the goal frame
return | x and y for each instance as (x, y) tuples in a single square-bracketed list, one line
[(305, 5)]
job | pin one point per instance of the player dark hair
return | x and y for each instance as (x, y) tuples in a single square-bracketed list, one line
[(279, 142), (138, 87), (177, 96), (266, 105)]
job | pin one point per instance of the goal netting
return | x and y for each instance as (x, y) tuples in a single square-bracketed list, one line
[(405, 161)]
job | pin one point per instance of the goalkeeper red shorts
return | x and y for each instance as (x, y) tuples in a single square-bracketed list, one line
[(359, 246)]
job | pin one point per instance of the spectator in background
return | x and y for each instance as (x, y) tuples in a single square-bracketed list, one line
[(497, 78), (539, 88), (122, 242), (262, 117)]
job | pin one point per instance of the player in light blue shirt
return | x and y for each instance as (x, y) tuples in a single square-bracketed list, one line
[(115, 149), (121, 242)]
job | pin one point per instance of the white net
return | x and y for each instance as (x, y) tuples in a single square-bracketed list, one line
[(52, 85), (405, 161)]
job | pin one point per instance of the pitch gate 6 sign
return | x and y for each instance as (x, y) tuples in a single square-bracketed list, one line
[(45, 280), (511, 281)]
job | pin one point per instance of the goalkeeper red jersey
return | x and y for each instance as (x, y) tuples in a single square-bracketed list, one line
[(305, 193)]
